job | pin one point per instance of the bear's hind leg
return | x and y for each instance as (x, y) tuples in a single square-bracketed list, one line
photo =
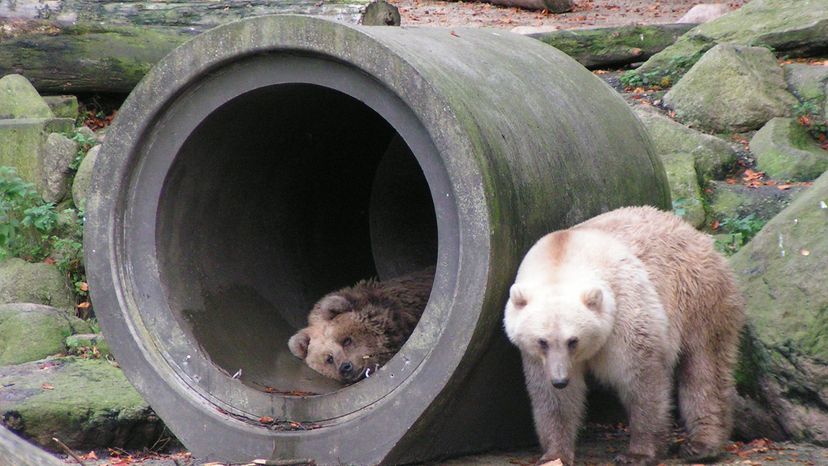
[(705, 387)]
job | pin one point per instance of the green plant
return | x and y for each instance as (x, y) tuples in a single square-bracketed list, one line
[(738, 231), (25, 220), (85, 142), (808, 115)]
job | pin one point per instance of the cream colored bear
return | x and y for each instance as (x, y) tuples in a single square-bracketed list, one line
[(632, 296)]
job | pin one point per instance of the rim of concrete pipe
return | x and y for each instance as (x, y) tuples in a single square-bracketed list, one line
[(421, 84)]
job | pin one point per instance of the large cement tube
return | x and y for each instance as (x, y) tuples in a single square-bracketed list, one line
[(269, 161)]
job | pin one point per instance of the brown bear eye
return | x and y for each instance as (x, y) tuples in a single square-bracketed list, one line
[(347, 341), (329, 359), (572, 343), (544, 345)]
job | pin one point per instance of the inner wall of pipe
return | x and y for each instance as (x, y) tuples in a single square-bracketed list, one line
[(278, 197)]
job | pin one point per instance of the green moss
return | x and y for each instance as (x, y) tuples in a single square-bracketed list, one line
[(784, 150), (22, 282), (751, 365)]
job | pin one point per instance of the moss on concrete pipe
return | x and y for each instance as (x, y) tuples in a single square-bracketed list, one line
[(271, 160)]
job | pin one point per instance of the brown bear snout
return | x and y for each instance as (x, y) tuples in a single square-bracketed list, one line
[(346, 369)]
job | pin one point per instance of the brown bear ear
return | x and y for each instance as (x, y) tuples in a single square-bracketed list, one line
[(593, 299), (298, 343), (517, 297), (331, 306)]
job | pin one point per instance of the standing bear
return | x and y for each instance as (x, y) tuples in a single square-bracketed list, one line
[(633, 297)]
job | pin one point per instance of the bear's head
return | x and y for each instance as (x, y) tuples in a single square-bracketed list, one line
[(341, 342), (559, 327)]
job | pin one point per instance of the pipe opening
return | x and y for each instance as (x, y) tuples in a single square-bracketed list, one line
[(281, 195)]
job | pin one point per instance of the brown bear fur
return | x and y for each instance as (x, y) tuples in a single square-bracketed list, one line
[(636, 297), (354, 331)]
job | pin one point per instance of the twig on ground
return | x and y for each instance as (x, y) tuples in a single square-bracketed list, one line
[(69, 451)]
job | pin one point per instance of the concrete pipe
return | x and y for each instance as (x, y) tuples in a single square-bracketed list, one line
[(269, 161)]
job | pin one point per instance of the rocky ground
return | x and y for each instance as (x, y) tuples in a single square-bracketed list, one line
[(586, 13)]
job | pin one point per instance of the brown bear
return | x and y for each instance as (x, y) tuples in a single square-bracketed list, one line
[(354, 331), (635, 297)]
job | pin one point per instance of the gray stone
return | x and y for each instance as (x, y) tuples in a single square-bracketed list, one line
[(86, 132), (785, 151), (704, 12), (83, 177), (684, 188), (739, 201), (381, 13), (56, 157), (86, 403), (21, 141), (712, 156), (784, 362), (63, 106), (807, 82), (29, 332), (19, 99), (22, 282), (79, 343), (731, 89), (791, 28)]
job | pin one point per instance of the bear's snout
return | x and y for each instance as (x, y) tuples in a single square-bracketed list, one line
[(346, 369), (560, 383)]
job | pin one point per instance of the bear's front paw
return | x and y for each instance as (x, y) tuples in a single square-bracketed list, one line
[(554, 460), (636, 460), (699, 453)]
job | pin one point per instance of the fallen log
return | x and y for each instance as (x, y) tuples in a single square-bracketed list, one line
[(614, 46)]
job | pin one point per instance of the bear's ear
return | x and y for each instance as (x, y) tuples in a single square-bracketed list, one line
[(593, 299), (331, 306), (298, 343), (517, 297)]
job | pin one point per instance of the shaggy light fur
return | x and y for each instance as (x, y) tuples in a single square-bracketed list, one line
[(354, 331), (633, 296)]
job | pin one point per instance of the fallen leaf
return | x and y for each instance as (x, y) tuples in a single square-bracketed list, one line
[(805, 252), (47, 386), (84, 286), (783, 187), (266, 420), (84, 305)]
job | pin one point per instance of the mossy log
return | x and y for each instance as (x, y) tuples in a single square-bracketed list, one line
[(602, 47), (91, 46)]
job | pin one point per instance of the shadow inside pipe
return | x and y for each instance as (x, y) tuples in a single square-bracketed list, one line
[(278, 197)]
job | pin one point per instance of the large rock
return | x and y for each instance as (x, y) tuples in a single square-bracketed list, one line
[(63, 106), (712, 156), (785, 151), (56, 157), (731, 89), (19, 99), (21, 143), (688, 202), (784, 362), (704, 13), (29, 332), (792, 28), (86, 403), (22, 282), (84, 176), (738, 201)]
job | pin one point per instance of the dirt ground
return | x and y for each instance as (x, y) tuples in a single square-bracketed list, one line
[(587, 13)]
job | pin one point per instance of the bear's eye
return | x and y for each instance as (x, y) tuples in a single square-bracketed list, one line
[(347, 341), (544, 345), (329, 359), (572, 343)]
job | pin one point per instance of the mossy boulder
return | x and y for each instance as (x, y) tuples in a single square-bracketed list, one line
[(86, 403), (792, 28), (29, 332), (63, 106), (784, 150), (84, 176), (19, 99), (22, 141), (684, 187), (712, 156), (738, 201), (784, 362), (22, 282), (731, 89)]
